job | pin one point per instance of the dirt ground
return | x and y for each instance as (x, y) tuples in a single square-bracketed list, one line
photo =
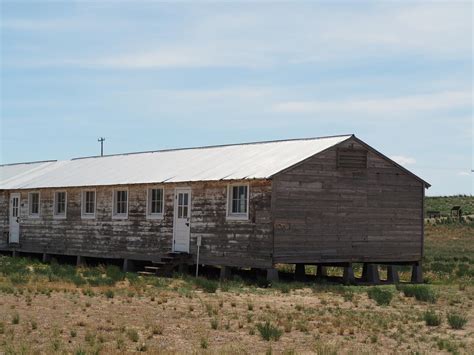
[(180, 319)]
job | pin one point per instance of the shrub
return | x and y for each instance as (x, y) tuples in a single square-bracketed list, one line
[(109, 294), (88, 292), (101, 281), (209, 286), (133, 335), (431, 318), (381, 296), (16, 318), (214, 323), (157, 329), (456, 320), (282, 286), (114, 273), (90, 338), (204, 343), (78, 280), (2, 328), (142, 347), (420, 292), (348, 295), (18, 278), (268, 331)]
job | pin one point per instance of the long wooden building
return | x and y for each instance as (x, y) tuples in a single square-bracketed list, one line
[(321, 201)]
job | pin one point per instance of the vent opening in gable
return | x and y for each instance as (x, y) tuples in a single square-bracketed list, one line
[(352, 158)]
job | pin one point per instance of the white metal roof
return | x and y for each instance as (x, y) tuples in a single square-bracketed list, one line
[(227, 162)]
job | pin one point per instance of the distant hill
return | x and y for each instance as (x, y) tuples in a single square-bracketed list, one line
[(445, 203)]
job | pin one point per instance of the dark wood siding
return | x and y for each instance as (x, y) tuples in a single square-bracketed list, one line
[(3, 219), (230, 243), (323, 212)]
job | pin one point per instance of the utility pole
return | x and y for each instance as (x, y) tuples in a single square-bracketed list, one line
[(101, 140)]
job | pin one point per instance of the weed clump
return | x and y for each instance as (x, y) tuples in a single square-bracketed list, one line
[(456, 320), (268, 331), (133, 335), (16, 318), (209, 286), (431, 318), (420, 292), (381, 296)]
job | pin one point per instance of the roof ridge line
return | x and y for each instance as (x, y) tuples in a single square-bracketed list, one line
[(214, 146)]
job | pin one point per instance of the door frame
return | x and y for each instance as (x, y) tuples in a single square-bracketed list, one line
[(175, 215), (10, 210)]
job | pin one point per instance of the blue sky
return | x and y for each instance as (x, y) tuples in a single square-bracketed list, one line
[(151, 75)]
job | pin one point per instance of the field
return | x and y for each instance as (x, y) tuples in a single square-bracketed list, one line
[(445, 203), (52, 308)]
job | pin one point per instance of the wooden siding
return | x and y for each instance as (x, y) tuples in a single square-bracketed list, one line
[(3, 219), (323, 213), (230, 243)]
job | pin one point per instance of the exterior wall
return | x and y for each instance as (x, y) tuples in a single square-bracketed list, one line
[(230, 243), (327, 214), (3, 219)]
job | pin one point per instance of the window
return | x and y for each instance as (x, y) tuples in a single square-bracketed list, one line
[(60, 203), (120, 200), (88, 204), (238, 202), (155, 203), (34, 204), (183, 206)]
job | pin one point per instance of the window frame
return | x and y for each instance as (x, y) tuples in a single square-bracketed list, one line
[(34, 215), (85, 215), (55, 214), (231, 216), (149, 214), (116, 215)]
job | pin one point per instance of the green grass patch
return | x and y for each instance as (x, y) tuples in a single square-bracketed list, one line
[(209, 286), (432, 318), (382, 296), (268, 331), (456, 320), (422, 293)]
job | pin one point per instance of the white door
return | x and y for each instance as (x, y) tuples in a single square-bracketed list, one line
[(14, 221), (182, 214)]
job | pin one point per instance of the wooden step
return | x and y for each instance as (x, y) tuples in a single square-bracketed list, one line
[(159, 263), (151, 268)]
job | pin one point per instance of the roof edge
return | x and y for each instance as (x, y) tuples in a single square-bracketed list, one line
[(349, 136), (426, 184), (30, 162)]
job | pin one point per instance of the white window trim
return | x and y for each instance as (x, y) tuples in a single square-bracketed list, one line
[(63, 215), (36, 215), (237, 216), (85, 215), (150, 215), (119, 215)]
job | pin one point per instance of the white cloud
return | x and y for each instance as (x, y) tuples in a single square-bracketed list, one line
[(269, 36), (403, 160), (463, 173), (380, 106)]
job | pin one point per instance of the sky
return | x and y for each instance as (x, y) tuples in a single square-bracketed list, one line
[(149, 75)]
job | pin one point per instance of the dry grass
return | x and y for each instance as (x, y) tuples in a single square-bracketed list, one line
[(41, 313)]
